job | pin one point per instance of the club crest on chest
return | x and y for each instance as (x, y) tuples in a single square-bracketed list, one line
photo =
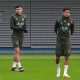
[(68, 24)]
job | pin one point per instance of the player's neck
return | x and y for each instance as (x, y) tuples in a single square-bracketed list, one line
[(66, 18)]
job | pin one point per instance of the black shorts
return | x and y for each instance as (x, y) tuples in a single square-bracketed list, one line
[(63, 48), (17, 40)]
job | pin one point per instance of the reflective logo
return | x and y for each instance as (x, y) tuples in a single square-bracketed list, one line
[(64, 28), (64, 20), (20, 24), (22, 19), (68, 24)]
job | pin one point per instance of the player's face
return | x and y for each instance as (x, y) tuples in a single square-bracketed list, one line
[(66, 13), (19, 10)]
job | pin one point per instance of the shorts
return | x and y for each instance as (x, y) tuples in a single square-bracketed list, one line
[(17, 40), (63, 48)]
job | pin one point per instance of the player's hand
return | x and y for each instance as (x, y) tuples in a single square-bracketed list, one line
[(25, 31)]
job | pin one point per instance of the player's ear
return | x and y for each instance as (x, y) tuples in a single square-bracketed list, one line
[(22, 9)]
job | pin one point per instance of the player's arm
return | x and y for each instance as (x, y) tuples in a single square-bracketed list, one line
[(13, 25), (56, 26), (25, 26), (12, 22), (72, 28)]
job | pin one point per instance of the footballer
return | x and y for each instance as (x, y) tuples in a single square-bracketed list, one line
[(18, 27), (64, 27)]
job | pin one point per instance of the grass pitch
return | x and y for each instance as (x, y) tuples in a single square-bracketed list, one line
[(38, 67)]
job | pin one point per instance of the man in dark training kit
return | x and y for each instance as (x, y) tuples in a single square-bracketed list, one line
[(18, 27), (64, 27)]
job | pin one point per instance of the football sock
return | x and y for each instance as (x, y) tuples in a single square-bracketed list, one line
[(14, 64), (19, 65), (65, 69), (58, 68)]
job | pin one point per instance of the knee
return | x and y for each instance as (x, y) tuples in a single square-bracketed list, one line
[(67, 57), (17, 50)]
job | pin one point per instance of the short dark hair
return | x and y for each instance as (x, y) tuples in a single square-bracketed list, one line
[(64, 9), (17, 6)]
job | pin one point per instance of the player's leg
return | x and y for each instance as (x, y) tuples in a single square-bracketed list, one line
[(17, 54), (66, 64), (15, 41), (66, 58), (58, 54), (20, 45), (58, 66), (16, 49), (16, 58)]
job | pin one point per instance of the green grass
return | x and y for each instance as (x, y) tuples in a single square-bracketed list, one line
[(38, 67)]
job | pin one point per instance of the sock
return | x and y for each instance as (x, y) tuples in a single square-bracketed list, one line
[(65, 69), (14, 64), (58, 68), (19, 65)]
